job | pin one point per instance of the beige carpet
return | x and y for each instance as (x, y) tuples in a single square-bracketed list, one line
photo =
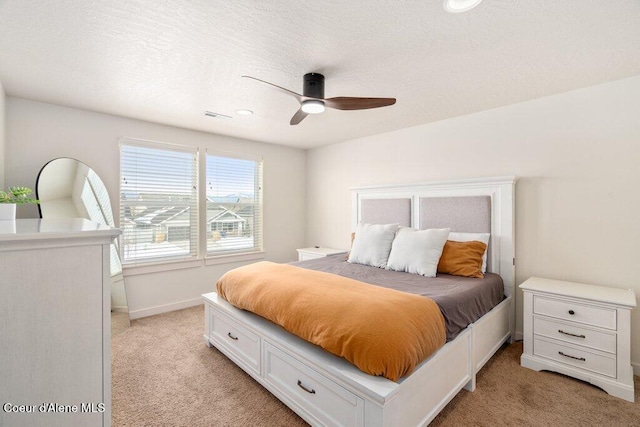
[(164, 375), (119, 322)]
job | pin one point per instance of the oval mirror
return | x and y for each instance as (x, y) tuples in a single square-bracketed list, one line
[(67, 188)]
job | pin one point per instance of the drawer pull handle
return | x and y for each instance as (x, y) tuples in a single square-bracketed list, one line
[(231, 336), (572, 357), (571, 312), (570, 334), (312, 391)]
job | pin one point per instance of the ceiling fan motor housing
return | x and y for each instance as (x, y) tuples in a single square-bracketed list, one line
[(313, 85)]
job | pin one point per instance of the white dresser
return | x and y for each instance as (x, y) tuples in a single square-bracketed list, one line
[(579, 330), (317, 252), (55, 352)]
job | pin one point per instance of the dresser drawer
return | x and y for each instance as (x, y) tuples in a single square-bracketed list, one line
[(328, 402), (242, 344), (577, 356), (575, 312), (570, 332), (304, 256)]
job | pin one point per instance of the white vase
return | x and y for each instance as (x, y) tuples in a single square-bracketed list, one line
[(7, 211)]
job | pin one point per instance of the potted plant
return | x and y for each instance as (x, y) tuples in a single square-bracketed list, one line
[(9, 199)]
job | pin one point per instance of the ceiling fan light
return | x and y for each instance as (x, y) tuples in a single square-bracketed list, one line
[(459, 6), (312, 106)]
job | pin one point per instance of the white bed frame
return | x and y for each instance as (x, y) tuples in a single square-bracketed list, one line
[(327, 390)]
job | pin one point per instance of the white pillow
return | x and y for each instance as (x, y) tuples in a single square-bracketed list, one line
[(372, 244), (468, 237), (417, 251)]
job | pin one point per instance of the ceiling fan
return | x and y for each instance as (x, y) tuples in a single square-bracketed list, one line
[(312, 100)]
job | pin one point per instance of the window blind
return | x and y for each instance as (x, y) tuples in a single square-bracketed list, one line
[(234, 204), (158, 202)]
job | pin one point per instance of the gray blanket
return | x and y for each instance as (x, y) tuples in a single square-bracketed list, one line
[(462, 300)]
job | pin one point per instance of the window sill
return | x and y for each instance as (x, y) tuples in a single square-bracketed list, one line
[(229, 258), (160, 267), (191, 263)]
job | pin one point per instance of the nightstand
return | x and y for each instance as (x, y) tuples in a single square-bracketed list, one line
[(582, 331), (317, 252)]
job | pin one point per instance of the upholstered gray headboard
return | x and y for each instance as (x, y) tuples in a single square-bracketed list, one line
[(464, 214), (484, 205), (470, 214), (386, 211)]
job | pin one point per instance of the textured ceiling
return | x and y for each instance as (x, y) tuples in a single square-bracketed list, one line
[(169, 61)]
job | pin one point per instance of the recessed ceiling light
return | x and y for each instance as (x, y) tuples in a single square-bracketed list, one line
[(459, 6), (244, 112)]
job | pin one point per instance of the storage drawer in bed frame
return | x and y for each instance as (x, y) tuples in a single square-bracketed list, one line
[(326, 390), (241, 345)]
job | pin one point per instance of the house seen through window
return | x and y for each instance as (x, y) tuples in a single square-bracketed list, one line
[(234, 205), (158, 202)]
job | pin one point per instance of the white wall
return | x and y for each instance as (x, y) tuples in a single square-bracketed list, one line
[(2, 134), (38, 132), (577, 200)]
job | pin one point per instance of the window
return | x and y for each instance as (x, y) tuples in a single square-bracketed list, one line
[(160, 210), (158, 202), (234, 205)]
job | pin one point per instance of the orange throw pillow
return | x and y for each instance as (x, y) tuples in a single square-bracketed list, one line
[(462, 258)]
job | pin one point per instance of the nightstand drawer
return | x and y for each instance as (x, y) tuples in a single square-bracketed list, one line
[(303, 256), (315, 252), (575, 312), (568, 332), (576, 356)]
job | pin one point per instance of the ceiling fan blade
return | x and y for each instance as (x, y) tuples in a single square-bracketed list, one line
[(297, 117), (281, 89), (351, 103)]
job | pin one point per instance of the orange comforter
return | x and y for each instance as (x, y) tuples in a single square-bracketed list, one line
[(381, 331)]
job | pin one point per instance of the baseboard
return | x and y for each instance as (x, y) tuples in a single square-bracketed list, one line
[(120, 309), (152, 311), (519, 336)]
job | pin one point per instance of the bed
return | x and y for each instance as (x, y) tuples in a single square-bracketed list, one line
[(327, 390)]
